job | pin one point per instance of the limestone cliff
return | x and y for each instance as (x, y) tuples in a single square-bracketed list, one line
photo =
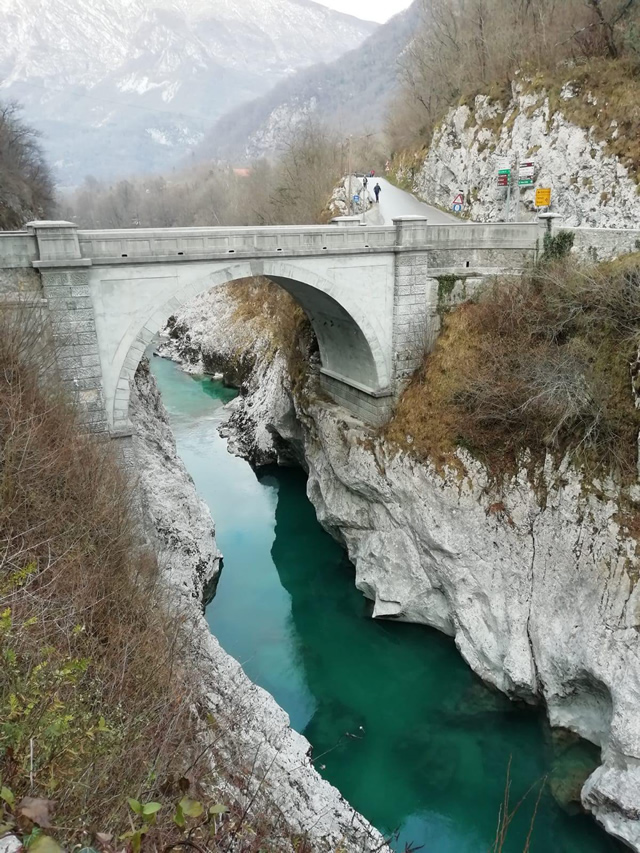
[(591, 185), (540, 595), (256, 756)]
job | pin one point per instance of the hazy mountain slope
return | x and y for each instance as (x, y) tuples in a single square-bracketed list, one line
[(125, 85), (349, 94)]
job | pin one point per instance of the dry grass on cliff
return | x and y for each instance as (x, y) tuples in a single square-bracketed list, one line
[(265, 312), (97, 703), (539, 363)]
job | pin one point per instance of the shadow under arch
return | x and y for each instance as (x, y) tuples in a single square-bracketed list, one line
[(345, 350), (350, 346)]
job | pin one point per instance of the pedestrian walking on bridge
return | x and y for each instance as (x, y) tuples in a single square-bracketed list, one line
[(377, 190)]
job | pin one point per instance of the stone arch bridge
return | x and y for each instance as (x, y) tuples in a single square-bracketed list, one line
[(372, 294)]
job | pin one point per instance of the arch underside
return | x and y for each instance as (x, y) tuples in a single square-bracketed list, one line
[(344, 349), (350, 350)]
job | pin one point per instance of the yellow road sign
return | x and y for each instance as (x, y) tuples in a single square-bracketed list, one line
[(543, 197)]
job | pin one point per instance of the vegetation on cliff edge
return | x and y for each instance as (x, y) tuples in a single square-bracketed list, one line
[(466, 48), (26, 186), (543, 363)]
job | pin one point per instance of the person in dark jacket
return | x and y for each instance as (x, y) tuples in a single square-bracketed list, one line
[(377, 190)]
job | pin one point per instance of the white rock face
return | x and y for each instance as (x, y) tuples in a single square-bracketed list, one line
[(542, 602), (253, 731), (176, 521), (339, 202), (589, 186), (10, 844)]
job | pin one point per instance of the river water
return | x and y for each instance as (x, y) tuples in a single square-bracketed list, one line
[(397, 720)]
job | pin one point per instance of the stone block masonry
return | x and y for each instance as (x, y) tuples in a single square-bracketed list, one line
[(368, 408), (73, 329), (416, 321)]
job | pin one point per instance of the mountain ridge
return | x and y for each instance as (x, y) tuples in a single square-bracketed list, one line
[(348, 94), (121, 86)]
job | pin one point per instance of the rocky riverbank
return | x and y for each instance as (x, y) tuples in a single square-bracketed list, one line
[(536, 584), (256, 757)]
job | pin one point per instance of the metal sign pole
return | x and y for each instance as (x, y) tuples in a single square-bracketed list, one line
[(350, 195), (517, 216)]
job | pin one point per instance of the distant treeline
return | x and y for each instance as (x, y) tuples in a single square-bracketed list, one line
[(295, 190)]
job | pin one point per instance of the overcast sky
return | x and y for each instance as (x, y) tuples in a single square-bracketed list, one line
[(371, 10)]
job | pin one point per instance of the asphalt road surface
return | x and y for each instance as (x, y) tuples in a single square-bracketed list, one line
[(395, 202)]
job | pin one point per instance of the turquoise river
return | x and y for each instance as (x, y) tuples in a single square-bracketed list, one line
[(397, 720)]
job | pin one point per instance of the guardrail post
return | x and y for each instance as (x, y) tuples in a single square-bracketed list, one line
[(411, 230), (57, 241)]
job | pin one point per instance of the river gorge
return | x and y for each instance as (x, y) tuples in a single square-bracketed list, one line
[(397, 721)]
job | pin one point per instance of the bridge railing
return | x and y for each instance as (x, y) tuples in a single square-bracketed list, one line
[(17, 249), (172, 242), (55, 242)]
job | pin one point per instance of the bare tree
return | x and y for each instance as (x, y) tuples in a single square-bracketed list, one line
[(26, 186)]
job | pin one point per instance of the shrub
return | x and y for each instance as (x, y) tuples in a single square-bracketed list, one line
[(557, 246), (268, 314), (26, 186), (89, 674)]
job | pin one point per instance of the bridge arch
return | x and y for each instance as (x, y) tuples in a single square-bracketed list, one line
[(130, 312)]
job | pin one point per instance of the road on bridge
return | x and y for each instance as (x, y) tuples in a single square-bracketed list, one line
[(396, 202)]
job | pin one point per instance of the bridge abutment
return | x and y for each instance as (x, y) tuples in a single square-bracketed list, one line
[(415, 300), (65, 286), (373, 409)]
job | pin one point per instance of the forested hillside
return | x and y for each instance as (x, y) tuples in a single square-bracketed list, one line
[(469, 47), (294, 190)]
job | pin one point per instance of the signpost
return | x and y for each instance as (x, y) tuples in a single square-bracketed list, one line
[(356, 198), (543, 197), (526, 173), (458, 203), (504, 180)]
